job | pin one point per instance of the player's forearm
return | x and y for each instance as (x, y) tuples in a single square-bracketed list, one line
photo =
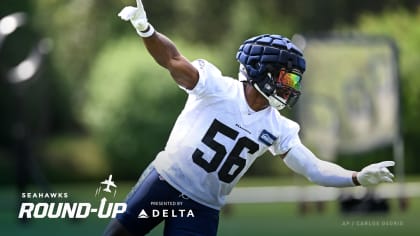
[(331, 175), (162, 49), (165, 53), (159, 46), (303, 161)]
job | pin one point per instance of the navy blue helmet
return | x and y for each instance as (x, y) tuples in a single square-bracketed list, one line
[(274, 66)]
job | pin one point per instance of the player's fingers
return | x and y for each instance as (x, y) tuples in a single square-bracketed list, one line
[(385, 172), (139, 4), (386, 164), (386, 179), (127, 13)]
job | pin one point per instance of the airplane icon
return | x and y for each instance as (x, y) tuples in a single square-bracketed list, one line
[(109, 183)]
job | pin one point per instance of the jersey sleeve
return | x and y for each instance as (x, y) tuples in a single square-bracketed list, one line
[(289, 137), (210, 79)]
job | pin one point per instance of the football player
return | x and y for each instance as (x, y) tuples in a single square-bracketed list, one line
[(225, 125)]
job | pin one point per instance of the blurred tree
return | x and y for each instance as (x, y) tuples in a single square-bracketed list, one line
[(13, 49), (78, 29), (132, 103), (324, 15), (402, 26), (22, 96)]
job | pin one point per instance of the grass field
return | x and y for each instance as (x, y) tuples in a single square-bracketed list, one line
[(243, 219)]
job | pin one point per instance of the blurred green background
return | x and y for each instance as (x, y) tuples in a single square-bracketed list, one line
[(99, 103)]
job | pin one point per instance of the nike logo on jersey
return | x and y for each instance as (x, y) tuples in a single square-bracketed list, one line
[(267, 138), (242, 128)]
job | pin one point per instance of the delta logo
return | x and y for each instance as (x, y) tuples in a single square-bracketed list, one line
[(166, 213)]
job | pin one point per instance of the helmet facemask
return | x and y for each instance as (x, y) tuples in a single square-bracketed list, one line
[(280, 87)]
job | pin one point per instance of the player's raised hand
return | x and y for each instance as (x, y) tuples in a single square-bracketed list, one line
[(376, 173), (137, 17)]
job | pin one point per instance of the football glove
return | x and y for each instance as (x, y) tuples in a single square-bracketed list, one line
[(137, 17), (375, 173)]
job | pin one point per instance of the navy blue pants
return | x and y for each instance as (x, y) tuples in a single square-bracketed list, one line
[(153, 200)]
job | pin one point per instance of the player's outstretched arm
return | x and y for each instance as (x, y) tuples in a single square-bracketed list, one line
[(301, 160), (162, 49)]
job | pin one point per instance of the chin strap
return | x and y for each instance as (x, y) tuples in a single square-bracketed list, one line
[(275, 102)]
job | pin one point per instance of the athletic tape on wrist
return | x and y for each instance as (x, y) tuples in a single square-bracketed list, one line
[(147, 32), (354, 179)]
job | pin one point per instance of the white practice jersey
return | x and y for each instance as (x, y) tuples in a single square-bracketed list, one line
[(217, 137)]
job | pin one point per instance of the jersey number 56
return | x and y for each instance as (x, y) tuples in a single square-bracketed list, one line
[(233, 158)]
